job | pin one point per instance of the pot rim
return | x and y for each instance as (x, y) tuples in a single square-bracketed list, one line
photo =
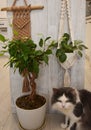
[(31, 109)]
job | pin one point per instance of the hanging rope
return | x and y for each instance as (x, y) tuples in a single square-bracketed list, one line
[(61, 24), (17, 0), (71, 57)]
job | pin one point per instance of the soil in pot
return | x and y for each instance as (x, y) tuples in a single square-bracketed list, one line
[(25, 103)]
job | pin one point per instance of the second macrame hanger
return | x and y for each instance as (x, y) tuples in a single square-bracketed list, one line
[(66, 9)]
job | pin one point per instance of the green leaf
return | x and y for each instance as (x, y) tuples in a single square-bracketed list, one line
[(38, 52), (53, 44), (62, 58), (4, 47), (80, 48), (77, 42), (48, 51), (25, 57), (1, 53), (7, 63), (80, 53), (68, 48), (47, 38), (16, 64), (35, 67), (15, 33), (83, 46), (4, 51), (41, 42), (75, 47), (2, 38), (66, 37), (59, 52), (45, 58)]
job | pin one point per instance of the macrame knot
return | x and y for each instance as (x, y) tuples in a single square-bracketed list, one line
[(67, 79)]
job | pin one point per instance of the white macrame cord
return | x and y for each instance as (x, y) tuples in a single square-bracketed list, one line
[(71, 57)]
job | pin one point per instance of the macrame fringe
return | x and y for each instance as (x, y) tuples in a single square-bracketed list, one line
[(67, 79)]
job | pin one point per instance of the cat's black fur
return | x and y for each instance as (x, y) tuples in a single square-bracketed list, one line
[(78, 109), (85, 97)]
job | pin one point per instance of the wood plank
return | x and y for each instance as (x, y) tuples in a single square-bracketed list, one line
[(14, 8)]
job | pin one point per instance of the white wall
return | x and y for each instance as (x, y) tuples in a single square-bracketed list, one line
[(46, 21)]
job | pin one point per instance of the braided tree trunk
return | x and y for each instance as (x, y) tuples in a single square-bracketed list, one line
[(33, 85), (29, 81)]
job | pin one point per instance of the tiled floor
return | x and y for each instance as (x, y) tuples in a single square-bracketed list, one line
[(8, 121)]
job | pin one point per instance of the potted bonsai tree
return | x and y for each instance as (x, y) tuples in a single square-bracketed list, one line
[(25, 56)]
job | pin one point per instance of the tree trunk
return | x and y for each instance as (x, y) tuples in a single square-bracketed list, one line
[(32, 77), (26, 87)]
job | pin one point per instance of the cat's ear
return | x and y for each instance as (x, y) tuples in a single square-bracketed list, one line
[(73, 91), (55, 90)]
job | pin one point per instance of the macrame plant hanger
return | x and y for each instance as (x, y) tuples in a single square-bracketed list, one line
[(71, 57), (21, 22), (21, 19)]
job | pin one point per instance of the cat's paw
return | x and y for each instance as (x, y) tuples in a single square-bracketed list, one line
[(63, 125), (68, 128)]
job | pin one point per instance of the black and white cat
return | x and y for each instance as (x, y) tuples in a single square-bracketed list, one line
[(73, 104)]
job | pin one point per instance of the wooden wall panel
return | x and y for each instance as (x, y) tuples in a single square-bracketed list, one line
[(46, 22)]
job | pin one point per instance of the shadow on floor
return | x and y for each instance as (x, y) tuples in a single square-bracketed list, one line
[(84, 127)]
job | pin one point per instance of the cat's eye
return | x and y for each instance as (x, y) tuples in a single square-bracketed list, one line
[(59, 101), (68, 101)]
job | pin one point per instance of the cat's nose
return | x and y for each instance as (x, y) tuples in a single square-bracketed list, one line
[(63, 105)]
